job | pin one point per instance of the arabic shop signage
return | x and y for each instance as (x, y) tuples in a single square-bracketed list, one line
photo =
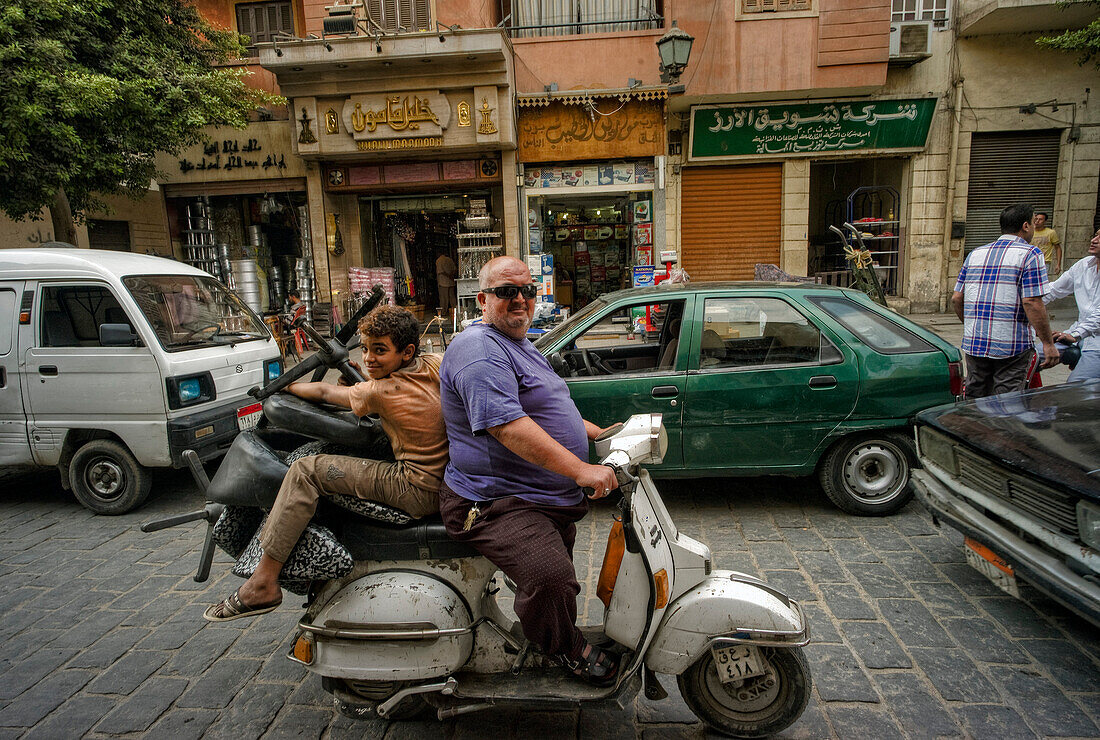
[(809, 129), (612, 130), (233, 154), (414, 115)]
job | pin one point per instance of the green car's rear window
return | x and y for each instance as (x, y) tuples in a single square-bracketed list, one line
[(875, 330)]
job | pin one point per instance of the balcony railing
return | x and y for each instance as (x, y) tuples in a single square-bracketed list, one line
[(531, 18)]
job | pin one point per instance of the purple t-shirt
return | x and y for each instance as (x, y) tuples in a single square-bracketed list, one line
[(488, 379)]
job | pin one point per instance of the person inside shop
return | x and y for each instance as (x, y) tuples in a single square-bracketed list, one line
[(403, 390), (518, 463), (445, 273), (1046, 239)]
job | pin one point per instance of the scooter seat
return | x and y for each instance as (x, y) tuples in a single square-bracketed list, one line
[(420, 539)]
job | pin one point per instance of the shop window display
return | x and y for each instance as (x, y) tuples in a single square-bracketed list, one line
[(594, 242)]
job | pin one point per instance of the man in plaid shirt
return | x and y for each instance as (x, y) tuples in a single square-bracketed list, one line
[(999, 291)]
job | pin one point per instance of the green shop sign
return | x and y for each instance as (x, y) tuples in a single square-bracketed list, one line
[(811, 128)]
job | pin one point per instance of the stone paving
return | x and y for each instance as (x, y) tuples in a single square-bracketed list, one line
[(102, 636)]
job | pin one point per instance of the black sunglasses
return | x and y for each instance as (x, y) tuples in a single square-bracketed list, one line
[(508, 292)]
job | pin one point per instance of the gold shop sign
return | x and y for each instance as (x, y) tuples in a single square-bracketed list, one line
[(603, 129), (380, 145), (423, 114)]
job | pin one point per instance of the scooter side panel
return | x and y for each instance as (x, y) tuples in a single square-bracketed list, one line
[(393, 598), (626, 618), (720, 605)]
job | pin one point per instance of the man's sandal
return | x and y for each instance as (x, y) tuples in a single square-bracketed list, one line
[(233, 608), (600, 668)]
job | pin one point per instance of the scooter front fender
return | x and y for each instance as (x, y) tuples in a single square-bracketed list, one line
[(726, 608)]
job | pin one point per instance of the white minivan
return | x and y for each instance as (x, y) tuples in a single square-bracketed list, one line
[(114, 363)]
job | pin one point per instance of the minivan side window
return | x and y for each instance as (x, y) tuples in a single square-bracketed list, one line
[(7, 319), (71, 315)]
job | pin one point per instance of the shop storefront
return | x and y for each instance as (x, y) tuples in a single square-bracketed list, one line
[(592, 190), (410, 150), (766, 182), (237, 208)]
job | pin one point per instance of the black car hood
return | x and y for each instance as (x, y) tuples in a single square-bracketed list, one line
[(1051, 433)]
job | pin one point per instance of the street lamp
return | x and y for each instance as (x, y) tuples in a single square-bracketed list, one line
[(674, 49)]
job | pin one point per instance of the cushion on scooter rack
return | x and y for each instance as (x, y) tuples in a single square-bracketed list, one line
[(236, 527), (318, 556)]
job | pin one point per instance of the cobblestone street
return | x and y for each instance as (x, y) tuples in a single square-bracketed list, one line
[(102, 632)]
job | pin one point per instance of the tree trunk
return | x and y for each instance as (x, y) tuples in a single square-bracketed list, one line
[(64, 229)]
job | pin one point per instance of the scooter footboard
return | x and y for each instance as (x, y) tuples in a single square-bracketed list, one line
[(725, 608)]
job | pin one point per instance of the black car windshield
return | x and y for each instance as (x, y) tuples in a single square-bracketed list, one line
[(189, 311), (547, 339)]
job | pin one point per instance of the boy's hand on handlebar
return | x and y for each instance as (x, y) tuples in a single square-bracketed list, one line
[(344, 381), (600, 478)]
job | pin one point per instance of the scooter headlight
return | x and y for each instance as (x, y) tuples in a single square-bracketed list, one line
[(272, 369)]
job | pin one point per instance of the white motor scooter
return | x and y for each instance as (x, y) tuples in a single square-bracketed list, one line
[(418, 619)]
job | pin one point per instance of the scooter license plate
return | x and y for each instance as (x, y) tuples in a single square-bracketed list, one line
[(249, 416), (738, 662)]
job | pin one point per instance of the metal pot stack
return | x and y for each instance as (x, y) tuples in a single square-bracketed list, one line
[(278, 288), (246, 283)]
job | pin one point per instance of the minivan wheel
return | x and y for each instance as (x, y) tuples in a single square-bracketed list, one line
[(868, 475), (107, 479)]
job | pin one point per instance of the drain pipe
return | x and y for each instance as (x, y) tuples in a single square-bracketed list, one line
[(949, 200)]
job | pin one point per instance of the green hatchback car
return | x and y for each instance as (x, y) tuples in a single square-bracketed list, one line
[(763, 379)]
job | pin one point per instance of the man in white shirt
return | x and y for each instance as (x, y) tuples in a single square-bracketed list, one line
[(1083, 282)]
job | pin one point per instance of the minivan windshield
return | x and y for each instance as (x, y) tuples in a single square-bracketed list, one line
[(188, 311)]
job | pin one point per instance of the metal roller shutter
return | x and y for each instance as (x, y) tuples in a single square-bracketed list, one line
[(731, 218), (1008, 168)]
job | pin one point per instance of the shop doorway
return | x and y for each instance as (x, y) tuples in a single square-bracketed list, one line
[(590, 240), (868, 193), (407, 234)]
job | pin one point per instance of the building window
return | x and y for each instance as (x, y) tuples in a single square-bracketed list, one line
[(262, 22), (773, 6), (566, 17), (113, 235), (919, 10), (400, 16)]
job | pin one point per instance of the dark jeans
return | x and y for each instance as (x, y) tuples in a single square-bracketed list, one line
[(533, 545), (991, 376)]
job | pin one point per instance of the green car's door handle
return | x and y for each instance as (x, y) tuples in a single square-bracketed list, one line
[(665, 391), (822, 381)]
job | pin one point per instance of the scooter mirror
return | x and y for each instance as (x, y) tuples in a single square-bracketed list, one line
[(642, 439)]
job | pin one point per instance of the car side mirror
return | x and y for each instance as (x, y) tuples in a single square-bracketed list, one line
[(118, 335)]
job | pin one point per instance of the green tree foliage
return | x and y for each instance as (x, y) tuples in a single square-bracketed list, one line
[(1085, 42), (92, 89)]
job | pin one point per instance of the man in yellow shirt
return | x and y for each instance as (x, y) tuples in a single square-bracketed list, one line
[(1046, 239)]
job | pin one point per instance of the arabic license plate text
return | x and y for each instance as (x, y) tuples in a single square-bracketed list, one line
[(738, 662), (989, 564), (249, 416)]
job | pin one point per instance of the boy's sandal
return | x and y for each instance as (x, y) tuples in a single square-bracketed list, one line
[(600, 668), (233, 608)]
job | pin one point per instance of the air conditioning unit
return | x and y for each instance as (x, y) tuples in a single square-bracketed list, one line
[(910, 39)]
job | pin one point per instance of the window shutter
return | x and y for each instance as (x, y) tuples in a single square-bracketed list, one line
[(768, 6), (422, 15), (244, 20), (286, 19), (750, 6)]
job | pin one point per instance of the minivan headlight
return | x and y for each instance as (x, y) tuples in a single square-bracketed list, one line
[(190, 390), (938, 449), (1088, 523), (272, 369)]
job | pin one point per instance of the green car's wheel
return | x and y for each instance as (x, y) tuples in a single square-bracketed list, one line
[(868, 475)]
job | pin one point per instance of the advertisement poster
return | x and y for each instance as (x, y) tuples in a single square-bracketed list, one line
[(643, 210), (643, 255), (643, 234), (643, 276)]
